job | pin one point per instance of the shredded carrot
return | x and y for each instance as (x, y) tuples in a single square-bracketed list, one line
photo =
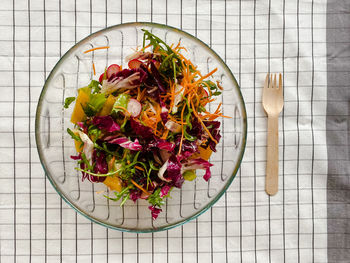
[(200, 120), (93, 67), (175, 120), (138, 94), (122, 108), (142, 95), (143, 49), (111, 162), (206, 76), (172, 96), (210, 93), (140, 187), (96, 48), (165, 134), (219, 85), (218, 108), (139, 168)]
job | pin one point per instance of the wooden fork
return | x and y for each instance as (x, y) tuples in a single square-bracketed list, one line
[(272, 101)]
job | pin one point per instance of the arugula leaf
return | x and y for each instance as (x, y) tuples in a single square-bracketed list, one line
[(73, 135), (155, 199), (94, 132), (85, 160), (213, 87), (124, 194), (156, 41), (170, 63), (201, 109), (68, 101)]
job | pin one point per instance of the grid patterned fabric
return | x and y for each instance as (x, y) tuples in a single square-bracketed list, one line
[(246, 225)]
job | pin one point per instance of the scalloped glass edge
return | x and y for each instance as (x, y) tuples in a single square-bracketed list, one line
[(170, 226)]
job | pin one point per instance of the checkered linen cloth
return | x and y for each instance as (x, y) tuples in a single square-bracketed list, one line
[(245, 225)]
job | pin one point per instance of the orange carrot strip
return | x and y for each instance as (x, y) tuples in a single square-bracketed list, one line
[(210, 93), (218, 108), (200, 120), (96, 48), (122, 108), (140, 187), (93, 67), (138, 94), (145, 47), (139, 168), (207, 75), (219, 86), (165, 134)]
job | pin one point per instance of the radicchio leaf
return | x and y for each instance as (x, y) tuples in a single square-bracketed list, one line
[(134, 195), (105, 123), (143, 74), (162, 171), (154, 211), (126, 143), (101, 167), (82, 126), (187, 148), (165, 190), (157, 77), (160, 144), (174, 171), (118, 81), (198, 163), (76, 157), (164, 111), (140, 129), (213, 127)]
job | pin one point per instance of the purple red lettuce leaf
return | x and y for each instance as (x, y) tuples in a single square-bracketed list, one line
[(174, 171), (105, 123), (157, 77), (140, 129), (126, 143), (165, 190), (198, 163), (134, 195), (154, 211), (164, 111), (160, 144), (213, 127)]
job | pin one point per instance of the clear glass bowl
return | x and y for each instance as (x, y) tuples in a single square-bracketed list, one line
[(73, 71)]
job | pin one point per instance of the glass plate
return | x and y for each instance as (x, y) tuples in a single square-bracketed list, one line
[(73, 71)]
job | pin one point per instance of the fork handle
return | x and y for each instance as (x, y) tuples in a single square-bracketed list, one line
[(271, 184)]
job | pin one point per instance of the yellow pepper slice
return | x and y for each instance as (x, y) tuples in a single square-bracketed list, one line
[(78, 112), (114, 183), (205, 153), (78, 146), (108, 106)]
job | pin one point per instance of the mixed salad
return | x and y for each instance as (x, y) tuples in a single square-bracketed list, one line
[(144, 130)]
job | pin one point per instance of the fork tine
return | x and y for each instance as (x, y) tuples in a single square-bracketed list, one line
[(266, 81), (274, 81), (280, 84), (270, 82)]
